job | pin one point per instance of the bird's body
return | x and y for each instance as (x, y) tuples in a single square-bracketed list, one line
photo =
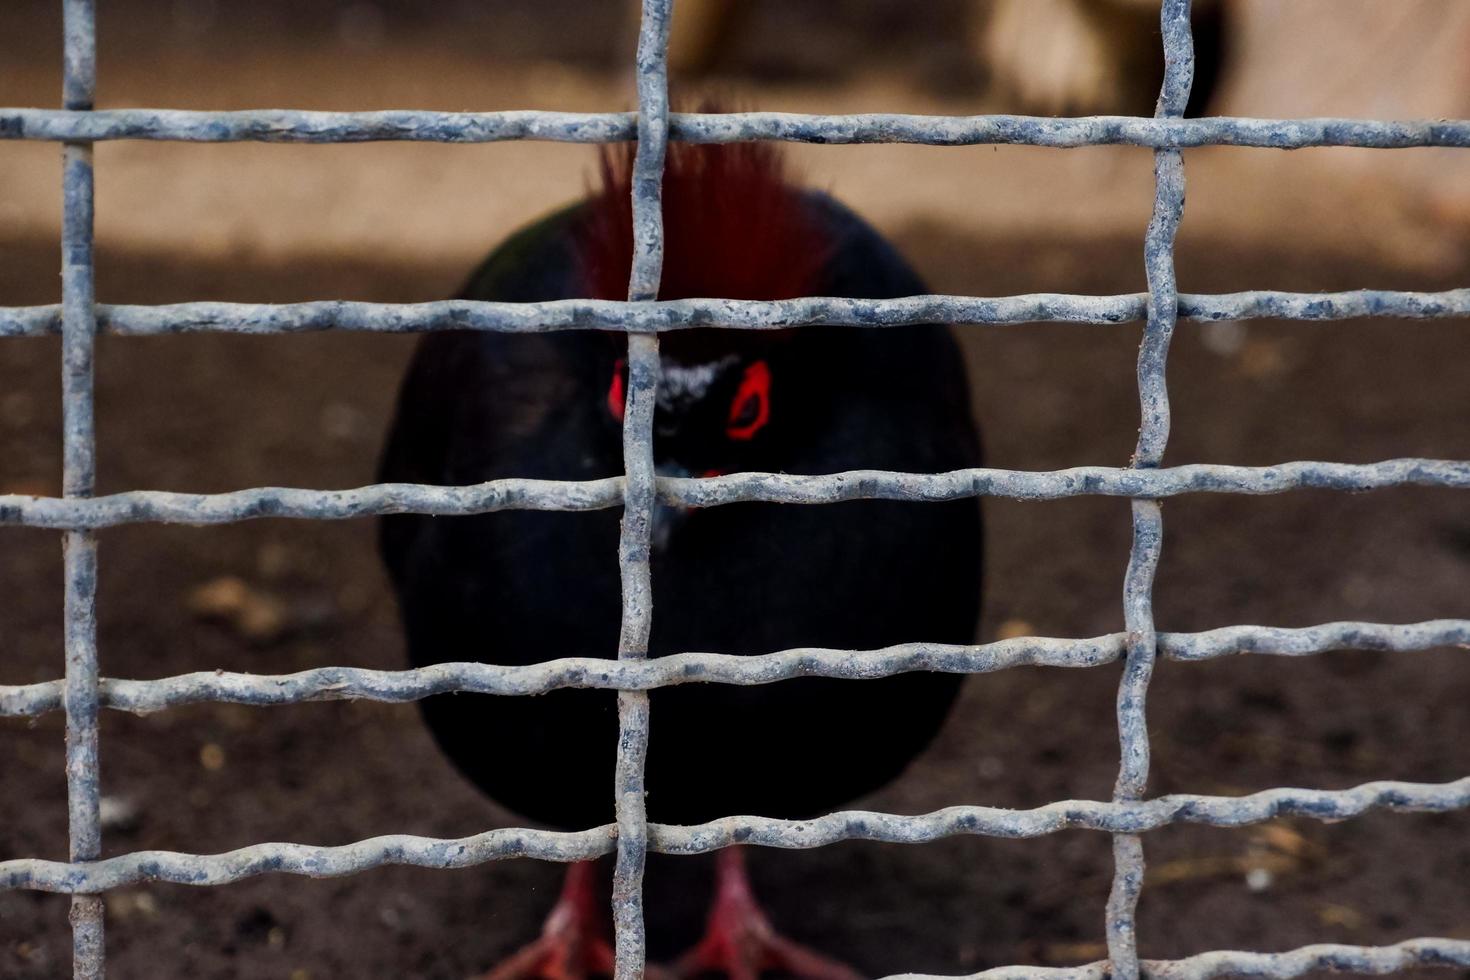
[(519, 587)]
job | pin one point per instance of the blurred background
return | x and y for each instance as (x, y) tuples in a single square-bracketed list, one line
[(402, 223)]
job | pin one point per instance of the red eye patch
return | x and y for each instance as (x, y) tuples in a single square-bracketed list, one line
[(615, 393), (751, 409)]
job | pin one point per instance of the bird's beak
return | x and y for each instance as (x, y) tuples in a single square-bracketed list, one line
[(666, 519)]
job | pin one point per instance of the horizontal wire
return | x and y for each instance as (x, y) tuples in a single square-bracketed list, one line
[(664, 315), (397, 686), (1127, 817), (161, 506), (304, 126), (1337, 957)]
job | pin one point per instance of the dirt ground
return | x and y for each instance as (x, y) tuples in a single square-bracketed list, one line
[(217, 413)]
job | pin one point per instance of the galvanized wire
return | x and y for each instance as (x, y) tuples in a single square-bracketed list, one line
[(1371, 960), (82, 692), (79, 462), (157, 506), (303, 126), (589, 314), (1114, 817), (396, 686), (630, 775), (1148, 515)]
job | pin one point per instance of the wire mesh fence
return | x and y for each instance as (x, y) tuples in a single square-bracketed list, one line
[(1127, 816)]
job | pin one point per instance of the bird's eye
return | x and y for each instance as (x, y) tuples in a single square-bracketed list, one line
[(616, 396), (751, 409)]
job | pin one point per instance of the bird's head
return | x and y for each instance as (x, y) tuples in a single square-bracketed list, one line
[(717, 413), (735, 227), (713, 415)]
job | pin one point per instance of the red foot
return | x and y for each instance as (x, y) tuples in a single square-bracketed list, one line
[(573, 944), (740, 942)]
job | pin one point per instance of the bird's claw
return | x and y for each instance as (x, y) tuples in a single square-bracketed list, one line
[(555, 958), (741, 943), (572, 945), (750, 956)]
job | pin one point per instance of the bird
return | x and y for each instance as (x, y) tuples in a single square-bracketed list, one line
[(521, 587)]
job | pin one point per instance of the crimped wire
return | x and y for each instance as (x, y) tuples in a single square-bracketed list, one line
[(1148, 514), (735, 314), (157, 506), (1114, 817), (398, 686), (307, 126), (1370, 960)]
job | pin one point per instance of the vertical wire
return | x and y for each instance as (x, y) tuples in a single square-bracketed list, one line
[(79, 548), (1148, 519), (630, 941)]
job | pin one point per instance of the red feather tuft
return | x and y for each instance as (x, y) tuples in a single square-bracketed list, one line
[(734, 227)]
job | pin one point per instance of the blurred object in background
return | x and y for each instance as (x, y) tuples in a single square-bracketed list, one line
[(1090, 57), (268, 206), (770, 41), (1049, 57), (1363, 59), (698, 32)]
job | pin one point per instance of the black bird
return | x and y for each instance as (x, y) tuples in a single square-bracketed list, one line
[(521, 587)]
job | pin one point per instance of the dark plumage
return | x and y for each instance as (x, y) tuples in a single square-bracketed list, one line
[(522, 587)]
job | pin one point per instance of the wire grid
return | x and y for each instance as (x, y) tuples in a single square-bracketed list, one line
[(1126, 816)]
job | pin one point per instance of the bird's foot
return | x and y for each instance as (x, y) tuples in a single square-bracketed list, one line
[(740, 942), (573, 943)]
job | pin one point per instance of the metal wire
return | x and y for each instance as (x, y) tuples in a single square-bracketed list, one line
[(346, 683), (588, 314), (1374, 960), (79, 462), (1128, 815), (1116, 817), (1148, 514), (155, 506), (295, 126), (629, 935)]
